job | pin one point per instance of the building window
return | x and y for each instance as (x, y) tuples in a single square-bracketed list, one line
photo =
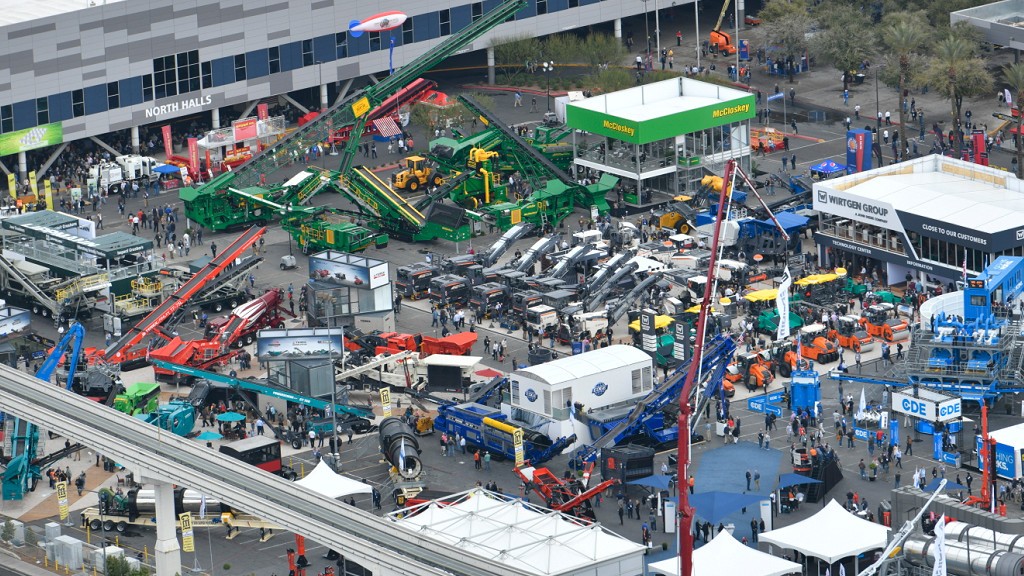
[(164, 77), (207, 74), (407, 36), (6, 118), (307, 52), (239, 67), (478, 10), (78, 100), (542, 7), (113, 96), (188, 72), (147, 88), (275, 60), (446, 22), (341, 44), (43, 110), (574, 3), (374, 41)]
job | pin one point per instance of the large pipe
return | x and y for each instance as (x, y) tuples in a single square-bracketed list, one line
[(960, 531), (396, 435), (963, 562), (143, 501)]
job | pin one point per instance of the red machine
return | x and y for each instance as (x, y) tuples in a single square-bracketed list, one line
[(419, 90), (569, 496), (686, 513), (987, 499), (124, 349), (459, 344), (223, 333)]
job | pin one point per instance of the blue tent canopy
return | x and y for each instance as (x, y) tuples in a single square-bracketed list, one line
[(791, 479), (715, 506), (950, 485), (658, 481), (828, 167), (167, 169), (790, 222)]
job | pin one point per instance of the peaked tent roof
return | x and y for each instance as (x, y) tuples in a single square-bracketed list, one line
[(858, 535), (724, 555), (326, 482), (520, 535)]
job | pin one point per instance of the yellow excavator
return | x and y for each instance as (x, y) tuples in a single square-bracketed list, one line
[(722, 41)]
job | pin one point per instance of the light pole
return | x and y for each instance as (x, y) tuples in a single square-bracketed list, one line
[(548, 66), (647, 30)]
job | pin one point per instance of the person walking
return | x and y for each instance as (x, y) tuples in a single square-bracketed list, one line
[(910, 447)]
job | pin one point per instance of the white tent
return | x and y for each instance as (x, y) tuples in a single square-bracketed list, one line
[(522, 536), (326, 482), (724, 555), (858, 535)]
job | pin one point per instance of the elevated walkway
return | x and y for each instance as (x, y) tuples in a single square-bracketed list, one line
[(373, 542)]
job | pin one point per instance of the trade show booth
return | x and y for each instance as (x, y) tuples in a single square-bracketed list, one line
[(660, 139)]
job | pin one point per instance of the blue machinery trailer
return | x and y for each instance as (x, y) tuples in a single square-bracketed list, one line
[(486, 428), (647, 417)]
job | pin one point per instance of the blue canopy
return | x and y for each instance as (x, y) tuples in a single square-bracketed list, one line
[(658, 481), (828, 167), (950, 485), (230, 417), (790, 222), (715, 506), (167, 169), (209, 436), (791, 479)]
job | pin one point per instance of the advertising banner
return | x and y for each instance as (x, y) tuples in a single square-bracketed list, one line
[(48, 191), (782, 304), (744, 49), (517, 443), (62, 499), (858, 150), (188, 540), (680, 344), (244, 129), (262, 111), (168, 146), (347, 274), (193, 156), (31, 138), (12, 186), (385, 401), (978, 141), (32, 183), (298, 344)]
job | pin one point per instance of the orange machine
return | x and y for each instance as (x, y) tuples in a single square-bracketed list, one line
[(815, 344), (878, 321), (751, 368), (851, 335), (722, 41)]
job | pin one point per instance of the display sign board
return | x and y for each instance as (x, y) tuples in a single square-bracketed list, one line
[(305, 344), (517, 442), (188, 541), (31, 138), (858, 150), (647, 335), (760, 404), (356, 272), (62, 499), (385, 401), (244, 129), (682, 335), (927, 408), (1006, 460)]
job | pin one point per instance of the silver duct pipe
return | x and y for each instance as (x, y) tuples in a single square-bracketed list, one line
[(978, 561), (959, 531)]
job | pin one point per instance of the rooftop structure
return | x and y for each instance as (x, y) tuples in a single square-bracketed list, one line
[(1002, 23)]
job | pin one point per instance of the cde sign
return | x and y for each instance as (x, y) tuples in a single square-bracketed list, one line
[(949, 410), (906, 404)]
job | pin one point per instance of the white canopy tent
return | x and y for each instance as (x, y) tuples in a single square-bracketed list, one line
[(326, 482), (858, 535), (724, 555), (520, 535)]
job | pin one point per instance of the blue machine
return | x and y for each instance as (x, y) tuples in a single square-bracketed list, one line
[(24, 469), (485, 427), (1001, 283)]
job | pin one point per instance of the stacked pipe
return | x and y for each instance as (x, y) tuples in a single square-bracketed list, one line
[(396, 438), (971, 550)]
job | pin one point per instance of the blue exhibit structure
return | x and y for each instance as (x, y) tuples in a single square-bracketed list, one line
[(995, 289)]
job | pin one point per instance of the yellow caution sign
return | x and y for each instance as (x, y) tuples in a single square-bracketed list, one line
[(517, 442), (385, 401), (361, 106), (62, 499), (188, 541), (12, 186)]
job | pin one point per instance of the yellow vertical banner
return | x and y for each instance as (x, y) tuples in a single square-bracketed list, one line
[(188, 541), (49, 194), (32, 183), (385, 401), (517, 442), (62, 499), (12, 186)]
